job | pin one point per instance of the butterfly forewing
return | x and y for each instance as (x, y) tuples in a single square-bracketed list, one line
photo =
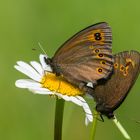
[(111, 94), (87, 56)]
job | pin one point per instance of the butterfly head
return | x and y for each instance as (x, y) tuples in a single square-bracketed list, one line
[(55, 68)]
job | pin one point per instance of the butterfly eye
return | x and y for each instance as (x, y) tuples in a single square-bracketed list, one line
[(100, 55), (116, 65), (47, 60), (96, 50), (103, 62), (99, 70)]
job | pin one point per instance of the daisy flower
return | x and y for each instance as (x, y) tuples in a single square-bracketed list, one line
[(43, 81)]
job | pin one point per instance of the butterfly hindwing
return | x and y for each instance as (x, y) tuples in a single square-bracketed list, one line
[(87, 56), (111, 94)]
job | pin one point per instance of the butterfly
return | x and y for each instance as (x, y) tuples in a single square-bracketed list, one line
[(85, 57), (110, 94)]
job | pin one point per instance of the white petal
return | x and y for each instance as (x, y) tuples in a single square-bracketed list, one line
[(65, 97), (28, 70), (86, 108), (28, 67), (38, 90), (38, 67), (88, 119), (27, 83), (89, 116), (81, 98), (70, 98), (84, 104), (43, 63), (81, 102), (76, 100)]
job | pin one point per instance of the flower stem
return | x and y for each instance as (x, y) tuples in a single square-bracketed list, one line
[(121, 128), (93, 130), (58, 119)]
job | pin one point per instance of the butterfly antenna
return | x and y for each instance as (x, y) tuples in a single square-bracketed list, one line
[(41, 47)]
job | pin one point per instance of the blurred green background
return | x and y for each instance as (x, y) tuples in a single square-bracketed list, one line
[(24, 23)]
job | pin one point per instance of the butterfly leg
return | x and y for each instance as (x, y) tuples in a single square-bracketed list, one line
[(101, 116)]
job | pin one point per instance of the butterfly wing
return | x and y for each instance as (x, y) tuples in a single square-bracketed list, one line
[(87, 56), (112, 93)]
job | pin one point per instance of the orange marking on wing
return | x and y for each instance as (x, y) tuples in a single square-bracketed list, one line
[(122, 68), (125, 73), (91, 47), (116, 65), (99, 70), (91, 37), (103, 62), (129, 61)]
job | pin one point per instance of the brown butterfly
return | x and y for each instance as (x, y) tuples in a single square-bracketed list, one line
[(111, 93), (86, 57)]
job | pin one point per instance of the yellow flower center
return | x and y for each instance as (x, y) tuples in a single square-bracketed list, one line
[(60, 85)]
